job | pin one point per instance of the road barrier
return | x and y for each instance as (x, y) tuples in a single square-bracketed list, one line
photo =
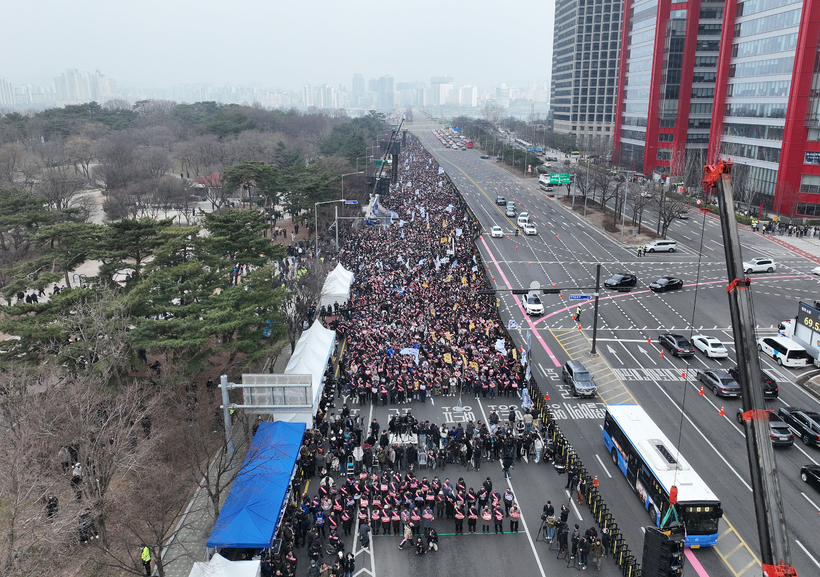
[(563, 448)]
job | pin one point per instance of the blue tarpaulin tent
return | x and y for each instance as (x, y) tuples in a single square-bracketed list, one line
[(249, 517)]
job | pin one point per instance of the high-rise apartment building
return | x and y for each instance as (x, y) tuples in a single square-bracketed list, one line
[(585, 64), (357, 92), (740, 80), (6, 92), (386, 96), (468, 96), (441, 89)]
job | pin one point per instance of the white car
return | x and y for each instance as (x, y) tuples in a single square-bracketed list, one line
[(533, 305), (530, 229), (710, 346), (523, 218), (761, 264), (496, 232), (815, 270)]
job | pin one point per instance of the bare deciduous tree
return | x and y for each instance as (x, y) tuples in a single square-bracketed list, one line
[(80, 152), (58, 187)]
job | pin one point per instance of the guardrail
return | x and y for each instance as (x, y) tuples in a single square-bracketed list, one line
[(620, 551)]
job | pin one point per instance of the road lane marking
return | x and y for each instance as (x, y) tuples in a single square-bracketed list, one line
[(806, 551), (603, 466)]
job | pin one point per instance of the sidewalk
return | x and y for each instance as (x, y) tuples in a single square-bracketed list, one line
[(190, 536), (807, 246)]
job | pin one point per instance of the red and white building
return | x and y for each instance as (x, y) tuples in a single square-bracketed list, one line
[(701, 80)]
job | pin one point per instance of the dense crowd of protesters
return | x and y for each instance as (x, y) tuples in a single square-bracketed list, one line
[(416, 329)]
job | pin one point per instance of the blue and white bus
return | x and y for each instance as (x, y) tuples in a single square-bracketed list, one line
[(652, 466)]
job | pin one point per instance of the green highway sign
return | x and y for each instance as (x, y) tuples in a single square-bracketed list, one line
[(559, 179)]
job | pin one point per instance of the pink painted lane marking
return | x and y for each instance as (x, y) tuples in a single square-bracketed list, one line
[(693, 561), (520, 306), (632, 293)]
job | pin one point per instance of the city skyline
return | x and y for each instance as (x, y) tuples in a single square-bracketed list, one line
[(75, 86), (168, 44)]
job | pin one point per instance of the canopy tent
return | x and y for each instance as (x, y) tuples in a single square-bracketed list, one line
[(218, 566), (337, 286), (251, 512), (313, 349)]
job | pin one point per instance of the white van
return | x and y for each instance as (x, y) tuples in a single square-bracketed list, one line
[(662, 246), (785, 351), (523, 218)]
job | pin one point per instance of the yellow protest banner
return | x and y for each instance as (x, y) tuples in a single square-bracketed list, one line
[(443, 224), (464, 281), (472, 326), (474, 365), (444, 240), (449, 336), (455, 306), (515, 353), (448, 359)]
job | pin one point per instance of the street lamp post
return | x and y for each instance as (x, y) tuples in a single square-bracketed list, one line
[(343, 180), (316, 220)]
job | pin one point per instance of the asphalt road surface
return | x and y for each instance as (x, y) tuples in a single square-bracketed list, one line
[(631, 368)]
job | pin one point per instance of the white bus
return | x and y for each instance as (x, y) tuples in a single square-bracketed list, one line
[(652, 466)]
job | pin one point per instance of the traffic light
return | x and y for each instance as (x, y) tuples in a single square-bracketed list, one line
[(551, 291), (519, 291), (663, 552)]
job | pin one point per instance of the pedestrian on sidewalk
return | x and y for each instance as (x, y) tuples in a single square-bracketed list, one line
[(146, 560)]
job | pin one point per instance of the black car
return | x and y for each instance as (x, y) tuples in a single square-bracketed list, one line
[(721, 383), (622, 281), (804, 424), (811, 475), (499, 159), (667, 283), (779, 432), (500, 201), (678, 345), (770, 388), (484, 156)]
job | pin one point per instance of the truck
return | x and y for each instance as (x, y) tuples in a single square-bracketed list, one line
[(804, 329)]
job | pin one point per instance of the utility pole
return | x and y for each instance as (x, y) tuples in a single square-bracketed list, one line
[(771, 523), (594, 352)]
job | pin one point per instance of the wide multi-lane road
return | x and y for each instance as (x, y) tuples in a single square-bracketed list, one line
[(631, 368)]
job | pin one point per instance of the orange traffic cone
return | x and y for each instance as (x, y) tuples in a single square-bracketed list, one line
[(595, 481), (546, 396), (516, 248), (701, 392), (579, 327), (649, 340), (661, 352), (721, 413)]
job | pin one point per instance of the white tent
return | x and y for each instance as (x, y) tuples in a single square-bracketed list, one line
[(218, 566), (310, 358), (337, 286)]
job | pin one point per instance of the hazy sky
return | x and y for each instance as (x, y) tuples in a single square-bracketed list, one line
[(278, 43)]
